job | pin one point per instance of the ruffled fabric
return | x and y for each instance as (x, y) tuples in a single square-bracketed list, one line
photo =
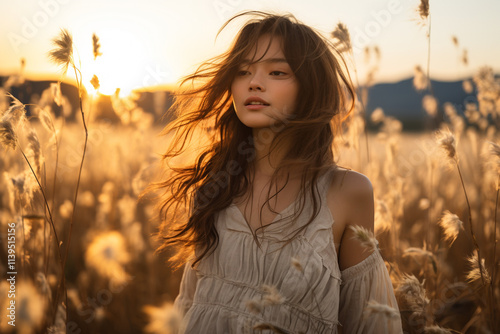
[(217, 296), (368, 281)]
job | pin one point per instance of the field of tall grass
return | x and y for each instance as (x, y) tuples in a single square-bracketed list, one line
[(84, 249)]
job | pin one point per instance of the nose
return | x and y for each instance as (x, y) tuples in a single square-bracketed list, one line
[(256, 83)]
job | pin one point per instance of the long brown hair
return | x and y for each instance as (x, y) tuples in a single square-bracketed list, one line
[(192, 194)]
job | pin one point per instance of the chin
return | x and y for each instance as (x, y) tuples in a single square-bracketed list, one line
[(259, 121)]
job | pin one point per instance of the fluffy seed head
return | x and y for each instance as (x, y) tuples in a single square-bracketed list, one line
[(364, 236), (451, 225), (62, 54), (413, 293), (95, 82), (430, 105), (8, 136), (271, 295), (16, 111), (30, 308), (417, 251), (467, 86), (423, 9), (475, 274), (10, 121), (66, 209), (255, 306), (56, 93), (374, 308), (96, 46), (447, 142), (107, 254), (495, 153), (341, 34), (377, 116), (165, 319), (35, 151), (420, 81), (465, 58), (46, 119)]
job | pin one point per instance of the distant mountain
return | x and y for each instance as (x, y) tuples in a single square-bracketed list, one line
[(399, 99), (403, 102), (30, 91)]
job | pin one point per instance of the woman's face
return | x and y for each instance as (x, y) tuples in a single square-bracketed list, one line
[(264, 92)]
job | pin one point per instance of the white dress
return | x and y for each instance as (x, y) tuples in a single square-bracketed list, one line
[(316, 297)]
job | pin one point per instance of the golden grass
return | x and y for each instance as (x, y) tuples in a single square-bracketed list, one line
[(444, 272)]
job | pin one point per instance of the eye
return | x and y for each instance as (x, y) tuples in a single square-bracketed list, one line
[(241, 73), (277, 73)]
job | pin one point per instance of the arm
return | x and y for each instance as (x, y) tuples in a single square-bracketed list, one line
[(364, 275), (187, 289), (357, 210)]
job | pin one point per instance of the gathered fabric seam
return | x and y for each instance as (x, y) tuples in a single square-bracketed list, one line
[(293, 306)]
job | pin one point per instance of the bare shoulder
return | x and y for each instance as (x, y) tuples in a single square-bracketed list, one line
[(350, 199), (351, 185)]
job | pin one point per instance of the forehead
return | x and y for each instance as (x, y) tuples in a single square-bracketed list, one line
[(267, 47)]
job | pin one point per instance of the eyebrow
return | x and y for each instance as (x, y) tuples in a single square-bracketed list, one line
[(269, 60)]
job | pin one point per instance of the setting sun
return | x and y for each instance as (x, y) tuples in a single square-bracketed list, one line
[(122, 63)]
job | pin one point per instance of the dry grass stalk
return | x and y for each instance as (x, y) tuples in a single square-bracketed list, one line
[(495, 152), (62, 55), (447, 142)]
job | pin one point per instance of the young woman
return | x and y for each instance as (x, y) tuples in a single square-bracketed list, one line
[(262, 215)]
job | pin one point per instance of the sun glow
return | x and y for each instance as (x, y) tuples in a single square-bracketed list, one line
[(123, 63)]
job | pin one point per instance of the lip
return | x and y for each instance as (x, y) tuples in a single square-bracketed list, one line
[(255, 99)]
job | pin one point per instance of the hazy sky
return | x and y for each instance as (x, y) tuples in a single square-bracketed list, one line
[(153, 42)]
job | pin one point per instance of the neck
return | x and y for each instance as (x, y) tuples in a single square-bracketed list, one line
[(267, 160)]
